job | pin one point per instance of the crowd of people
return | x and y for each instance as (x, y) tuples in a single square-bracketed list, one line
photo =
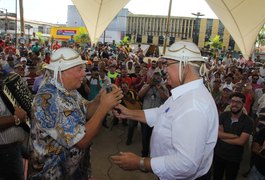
[(196, 115)]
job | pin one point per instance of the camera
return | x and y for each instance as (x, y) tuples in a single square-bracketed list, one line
[(157, 80)]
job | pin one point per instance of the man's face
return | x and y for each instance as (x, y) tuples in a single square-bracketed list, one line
[(236, 105), (124, 87), (124, 73), (73, 77), (172, 69), (255, 79), (153, 65)]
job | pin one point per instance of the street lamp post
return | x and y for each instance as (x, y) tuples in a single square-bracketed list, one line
[(195, 36)]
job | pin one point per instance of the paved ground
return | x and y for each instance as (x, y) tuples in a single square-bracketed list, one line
[(111, 141)]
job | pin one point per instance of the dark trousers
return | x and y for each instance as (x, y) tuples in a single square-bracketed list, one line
[(146, 136), (11, 163), (131, 126), (223, 167)]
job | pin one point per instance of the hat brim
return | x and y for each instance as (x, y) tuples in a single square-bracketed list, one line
[(175, 58), (64, 65)]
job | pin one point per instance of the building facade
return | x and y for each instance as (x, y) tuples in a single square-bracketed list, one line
[(149, 29), (9, 24)]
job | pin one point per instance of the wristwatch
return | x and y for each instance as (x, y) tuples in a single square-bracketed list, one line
[(17, 120), (141, 167)]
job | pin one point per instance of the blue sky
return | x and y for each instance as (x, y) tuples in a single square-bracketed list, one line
[(55, 11)]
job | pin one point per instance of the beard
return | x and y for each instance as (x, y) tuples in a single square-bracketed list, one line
[(236, 112)]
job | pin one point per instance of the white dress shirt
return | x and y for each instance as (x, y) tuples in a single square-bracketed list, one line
[(185, 133)]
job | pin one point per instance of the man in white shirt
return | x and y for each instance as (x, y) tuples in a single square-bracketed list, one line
[(185, 126)]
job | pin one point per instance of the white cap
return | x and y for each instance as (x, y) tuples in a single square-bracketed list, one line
[(63, 59), (23, 59), (183, 51), (227, 86)]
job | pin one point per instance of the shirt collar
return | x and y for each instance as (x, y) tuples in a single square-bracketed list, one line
[(180, 90)]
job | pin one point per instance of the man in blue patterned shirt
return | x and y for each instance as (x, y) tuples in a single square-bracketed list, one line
[(64, 123)]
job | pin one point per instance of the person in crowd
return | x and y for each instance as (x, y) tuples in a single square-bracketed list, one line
[(36, 49), (38, 80), (63, 123), (56, 46), (71, 41), (153, 94), (2, 44), (254, 82), (104, 80), (151, 70), (235, 128), (22, 39), (250, 63), (223, 100), (140, 78), (262, 70), (175, 152), (258, 148), (112, 74), (11, 136), (130, 68), (215, 91), (34, 39), (94, 84), (241, 60), (132, 101), (123, 78)]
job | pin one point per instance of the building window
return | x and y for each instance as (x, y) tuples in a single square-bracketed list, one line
[(231, 44), (171, 40), (139, 38), (161, 40), (221, 30), (11, 25), (40, 29), (149, 39)]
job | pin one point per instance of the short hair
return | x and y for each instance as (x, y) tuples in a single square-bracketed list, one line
[(239, 95)]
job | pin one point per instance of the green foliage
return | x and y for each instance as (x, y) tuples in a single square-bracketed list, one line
[(261, 37), (125, 41), (41, 38), (82, 38), (214, 43)]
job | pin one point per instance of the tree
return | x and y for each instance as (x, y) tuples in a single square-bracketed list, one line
[(125, 41), (42, 39), (261, 38), (215, 44), (82, 38)]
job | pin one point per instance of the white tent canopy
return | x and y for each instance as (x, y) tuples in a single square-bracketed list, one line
[(242, 18), (97, 14)]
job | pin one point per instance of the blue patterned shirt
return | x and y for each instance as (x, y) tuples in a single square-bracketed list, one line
[(58, 123)]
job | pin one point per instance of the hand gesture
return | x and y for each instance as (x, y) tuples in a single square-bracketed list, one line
[(127, 160), (111, 99), (121, 112), (21, 114)]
